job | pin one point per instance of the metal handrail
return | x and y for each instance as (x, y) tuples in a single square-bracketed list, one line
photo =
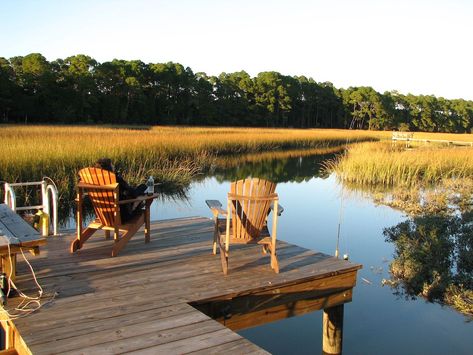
[(10, 197), (51, 189), (47, 190)]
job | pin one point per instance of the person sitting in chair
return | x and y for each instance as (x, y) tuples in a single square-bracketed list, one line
[(126, 191)]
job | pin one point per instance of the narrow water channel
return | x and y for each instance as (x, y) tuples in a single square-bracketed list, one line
[(378, 321)]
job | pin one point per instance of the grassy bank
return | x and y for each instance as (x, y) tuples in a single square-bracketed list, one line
[(172, 154), (388, 165)]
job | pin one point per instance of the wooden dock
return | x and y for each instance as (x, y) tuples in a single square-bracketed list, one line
[(169, 296), (409, 137)]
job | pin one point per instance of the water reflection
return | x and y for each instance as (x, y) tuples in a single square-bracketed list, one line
[(433, 258), (279, 170)]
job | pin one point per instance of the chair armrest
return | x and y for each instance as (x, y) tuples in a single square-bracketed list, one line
[(138, 199), (216, 207), (280, 208)]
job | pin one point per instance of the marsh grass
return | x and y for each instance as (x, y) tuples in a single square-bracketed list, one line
[(173, 155), (385, 164)]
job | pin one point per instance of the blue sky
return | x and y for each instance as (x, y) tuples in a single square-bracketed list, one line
[(416, 46)]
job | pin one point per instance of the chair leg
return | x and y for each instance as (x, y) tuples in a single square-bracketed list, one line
[(216, 235), (107, 234), (274, 263), (80, 240), (214, 247), (147, 224), (274, 259), (75, 245), (120, 243), (223, 258), (265, 249)]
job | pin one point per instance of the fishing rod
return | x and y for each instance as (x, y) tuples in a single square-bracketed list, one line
[(340, 215)]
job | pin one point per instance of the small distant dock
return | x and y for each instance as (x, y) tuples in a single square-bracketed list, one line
[(170, 296), (409, 137)]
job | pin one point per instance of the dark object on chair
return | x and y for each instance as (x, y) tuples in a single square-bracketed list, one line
[(102, 189), (126, 191)]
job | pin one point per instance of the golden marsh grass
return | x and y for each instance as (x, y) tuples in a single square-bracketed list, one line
[(385, 164), (175, 154), (171, 154)]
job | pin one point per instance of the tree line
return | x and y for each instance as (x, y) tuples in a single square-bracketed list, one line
[(78, 89)]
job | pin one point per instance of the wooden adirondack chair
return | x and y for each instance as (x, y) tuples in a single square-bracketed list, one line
[(102, 188), (249, 203)]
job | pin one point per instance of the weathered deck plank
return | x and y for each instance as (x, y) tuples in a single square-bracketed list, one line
[(140, 300)]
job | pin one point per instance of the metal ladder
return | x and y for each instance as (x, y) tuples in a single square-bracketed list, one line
[(46, 190)]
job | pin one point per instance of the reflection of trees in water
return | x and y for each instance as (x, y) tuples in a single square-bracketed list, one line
[(278, 170), (434, 258), (433, 255)]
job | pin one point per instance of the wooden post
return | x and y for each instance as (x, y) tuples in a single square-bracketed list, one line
[(147, 220), (216, 233), (79, 219), (332, 330), (274, 261), (227, 230), (116, 216), (9, 265)]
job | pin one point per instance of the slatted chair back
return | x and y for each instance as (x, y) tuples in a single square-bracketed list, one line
[(104, 199), (250, 203)]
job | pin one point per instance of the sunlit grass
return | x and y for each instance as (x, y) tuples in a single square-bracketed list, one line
[(175, 154), (172, 154), (385, 164)]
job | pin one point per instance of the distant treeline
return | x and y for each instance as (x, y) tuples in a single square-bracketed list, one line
[(78, 89)]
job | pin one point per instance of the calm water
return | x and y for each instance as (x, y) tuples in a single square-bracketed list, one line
[(377, 321)]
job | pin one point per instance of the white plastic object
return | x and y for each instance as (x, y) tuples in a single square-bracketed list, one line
[(150, 186)]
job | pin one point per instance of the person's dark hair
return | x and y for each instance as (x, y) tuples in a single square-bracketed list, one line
[(104, 163)]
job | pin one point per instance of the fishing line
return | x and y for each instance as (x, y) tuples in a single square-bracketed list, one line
[(340, 217), (341, 210)]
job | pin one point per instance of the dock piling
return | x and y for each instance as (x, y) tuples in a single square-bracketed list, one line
[(332, 330)]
